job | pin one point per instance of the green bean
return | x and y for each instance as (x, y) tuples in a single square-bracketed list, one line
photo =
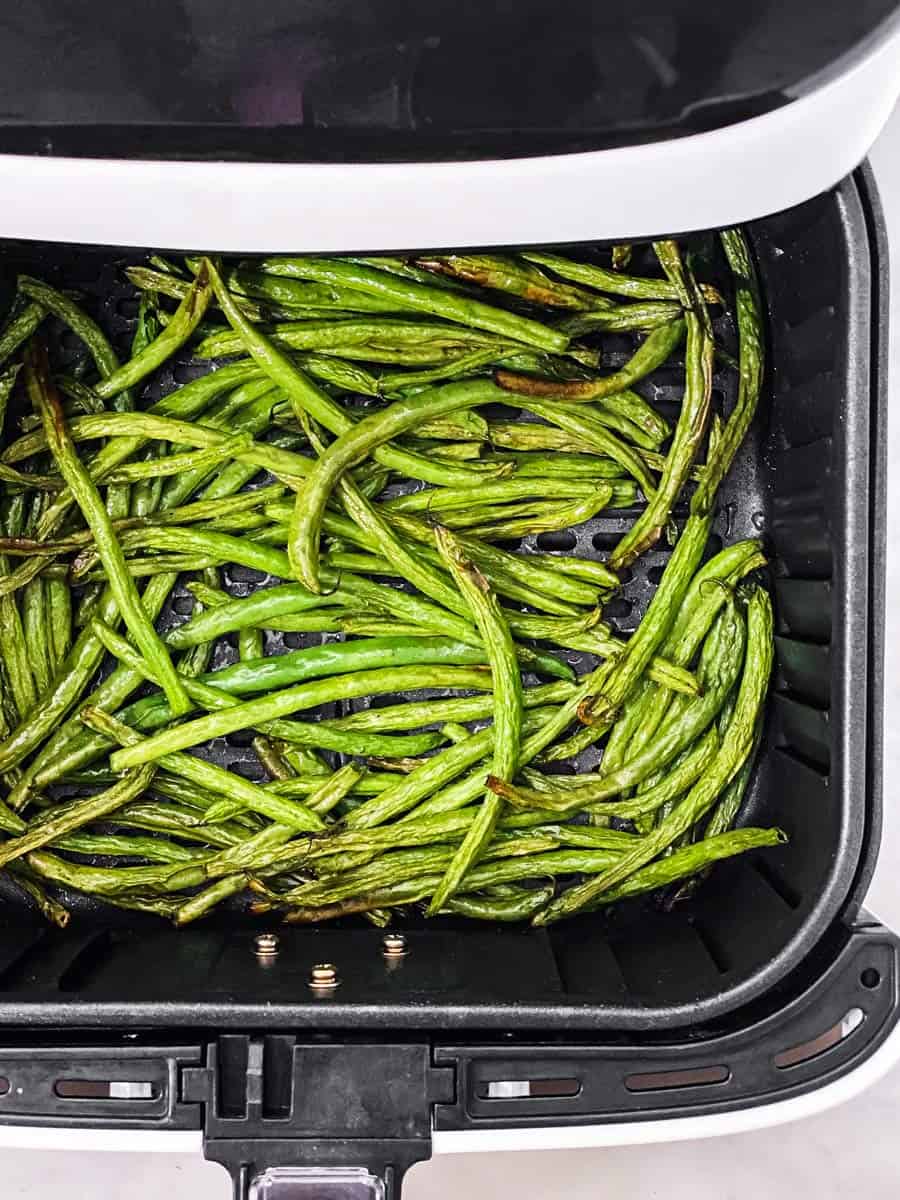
[(497, 491), (613, 281), (583, 426), (82, 400), (624, 318), (582, 568), (226, 548), (729, 803), (355, 445), (510, 575), (474, 362), (104, 881), (178, 821), (414, 830), (8, 376), (13, 654), (414, 714), (398, 865), (47, 906), (375, 529), (519, 907), (59, 617), (615, 416), (150, 281), (19, 329), (247, 410), (751, 367), (196, 770), (46, 401), (406, 270), (305, 397), (272, 758), (256, 853), (533, 866), (250, 645), (184, 404), (218, 511), (719, 667), (672, 784), (71, 680), (86, 428), (737, 744), (267, 708), (515, 521), (257, 609), (107, 458), (611, 685), (637, 411), (334, 658), (304, 761), (293, 732), (79, 322), (104, 845), (175, 334), (36, 631), (692, 420), (463, 425), (437, 301), (18, 480), (174, 464), (687, 861), (347, 377), (580, 635), (709, 590), (588, 837), (202, 902), (566, 464), (391, 342), (296, 294), (656, 348), (506, 273), (407, 792), (72, 816), (508, 708)]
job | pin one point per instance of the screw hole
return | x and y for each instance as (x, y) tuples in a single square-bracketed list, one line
[(870, 978)]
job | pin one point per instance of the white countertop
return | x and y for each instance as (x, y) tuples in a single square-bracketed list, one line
[(847, 1153)]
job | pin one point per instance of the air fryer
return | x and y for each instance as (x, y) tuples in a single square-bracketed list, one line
[(771, 981)]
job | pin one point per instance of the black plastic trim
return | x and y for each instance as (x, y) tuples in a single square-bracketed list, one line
[(34, 1074), (862, 979)]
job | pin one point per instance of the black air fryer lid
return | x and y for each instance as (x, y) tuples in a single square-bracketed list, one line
[(394, 80)]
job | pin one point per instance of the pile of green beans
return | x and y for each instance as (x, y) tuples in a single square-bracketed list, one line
[(345, 441)]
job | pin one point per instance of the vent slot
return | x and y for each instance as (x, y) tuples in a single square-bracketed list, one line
[(660, 1081), (4, 1085), (528, 1089), (278, 1077), (105, 1089), (232, 1075), (557, 539), (837, 1033)]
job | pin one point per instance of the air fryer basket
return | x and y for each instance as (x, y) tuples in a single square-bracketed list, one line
[(803, 483)]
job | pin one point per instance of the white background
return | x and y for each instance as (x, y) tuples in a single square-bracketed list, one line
[(850, 1152)]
